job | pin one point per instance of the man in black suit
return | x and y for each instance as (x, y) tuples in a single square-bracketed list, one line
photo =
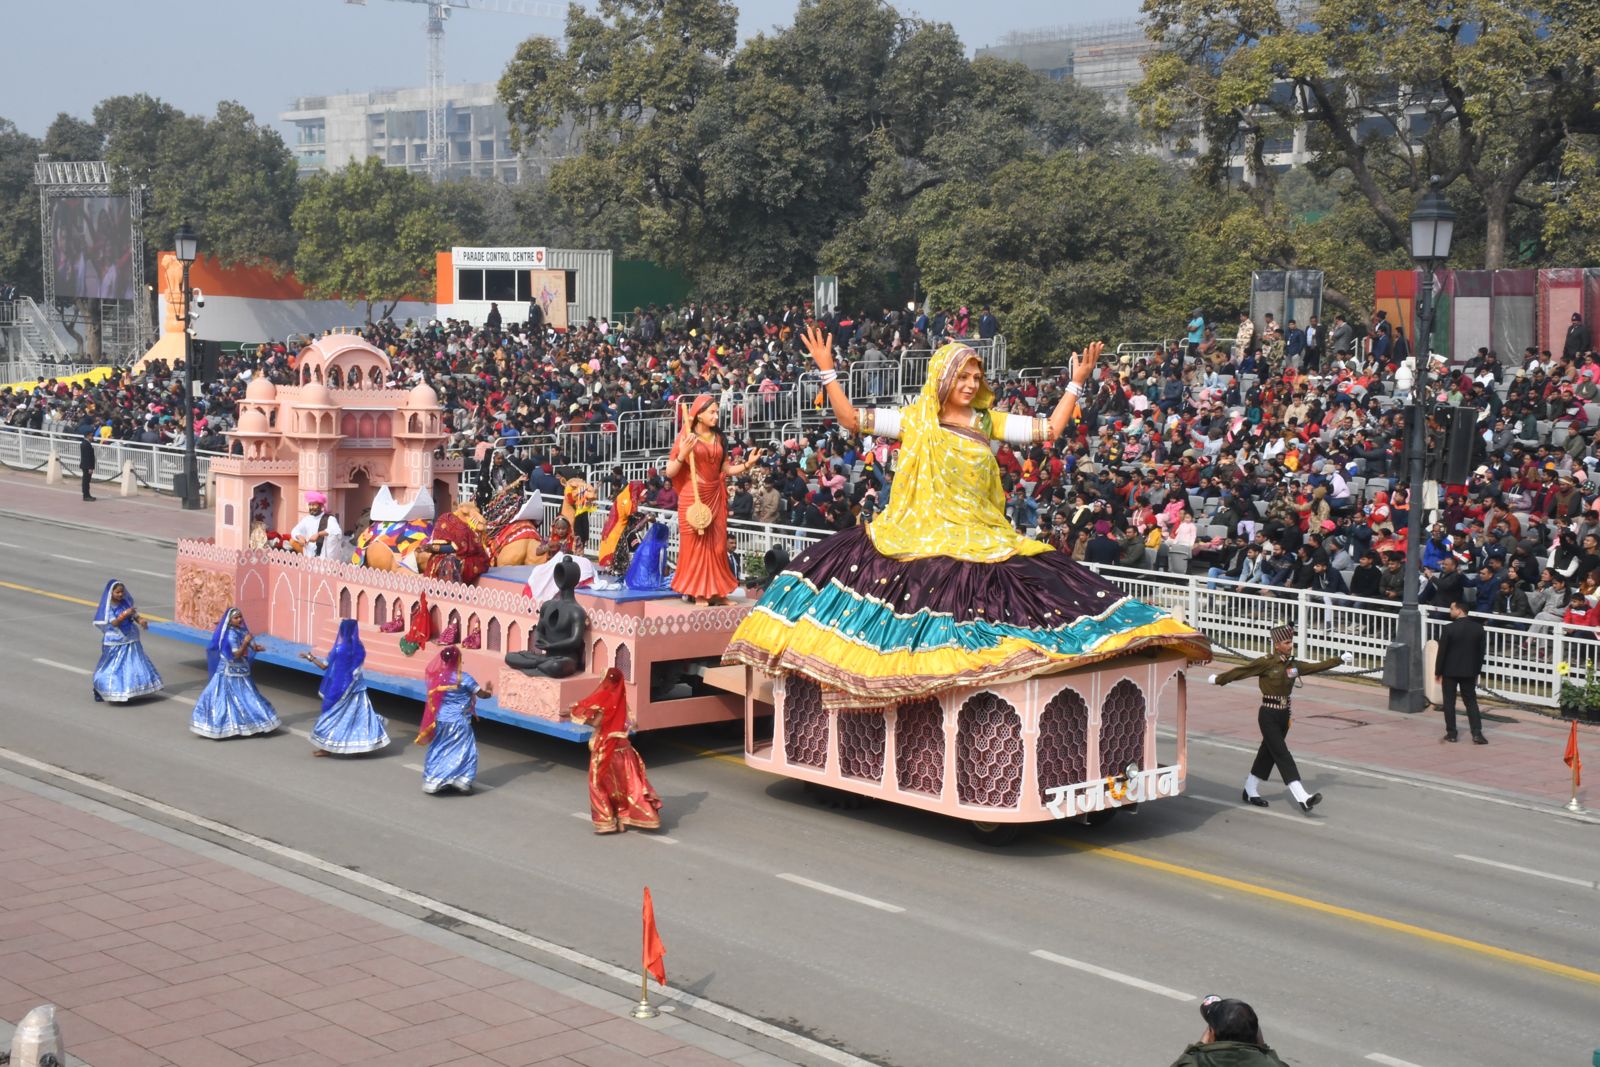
[(86, 459), (1457, 664), (1578, 340)]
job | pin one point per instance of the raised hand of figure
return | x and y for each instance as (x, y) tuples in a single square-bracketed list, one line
[(820, 347), (1084, 363), (144, 623)]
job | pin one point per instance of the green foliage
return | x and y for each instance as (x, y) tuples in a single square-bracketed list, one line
[(804, 150), (369, 233), (1077, 247), (1498, 84), (19, 210)]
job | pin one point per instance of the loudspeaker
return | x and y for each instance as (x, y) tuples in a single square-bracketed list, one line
[(208, 355), (1462, 446)]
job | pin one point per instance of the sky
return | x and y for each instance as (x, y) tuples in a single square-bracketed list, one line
[(68, 55)]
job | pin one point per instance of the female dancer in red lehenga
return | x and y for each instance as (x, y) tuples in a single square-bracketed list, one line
[(619, 793), (703, 574)]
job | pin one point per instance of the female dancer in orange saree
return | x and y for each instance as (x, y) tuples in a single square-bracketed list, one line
[(619, 793)]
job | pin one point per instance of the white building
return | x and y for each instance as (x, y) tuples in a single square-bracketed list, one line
[(330, 132)]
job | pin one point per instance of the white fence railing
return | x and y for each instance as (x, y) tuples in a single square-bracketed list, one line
[(155, 466)]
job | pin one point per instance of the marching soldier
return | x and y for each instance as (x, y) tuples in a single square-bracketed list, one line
[(1278, 673)]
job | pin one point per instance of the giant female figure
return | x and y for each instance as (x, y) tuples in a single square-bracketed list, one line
[(699, 470), (124, 670), (940, 590)]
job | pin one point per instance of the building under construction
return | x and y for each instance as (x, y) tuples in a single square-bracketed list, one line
[(1105, 56)]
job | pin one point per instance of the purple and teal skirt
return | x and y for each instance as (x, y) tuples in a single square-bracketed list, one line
[(875, 631)]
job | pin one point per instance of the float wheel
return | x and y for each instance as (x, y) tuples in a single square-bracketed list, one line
[(994, 833)]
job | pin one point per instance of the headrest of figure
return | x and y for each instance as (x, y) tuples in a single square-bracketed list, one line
[(566, 574)]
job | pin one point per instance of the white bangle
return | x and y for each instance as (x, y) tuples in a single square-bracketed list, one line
[(828, 377), (1075, 389)]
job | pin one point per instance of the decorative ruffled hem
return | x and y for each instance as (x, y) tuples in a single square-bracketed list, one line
[(123, 696), (233, 730), (350, 748)]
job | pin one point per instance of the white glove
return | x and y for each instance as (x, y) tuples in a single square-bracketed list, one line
[(1347, 658), (1211, 680)]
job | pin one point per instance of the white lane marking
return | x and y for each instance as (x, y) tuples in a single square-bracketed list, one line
[(1252, 810), (152, 574), (8, 544), (648, 835), (1586, 883), (178, 698), (823, 887), (629, 977), (297, 732), (63, 666), (1115, 976), (74, 559), (1389, 1061)]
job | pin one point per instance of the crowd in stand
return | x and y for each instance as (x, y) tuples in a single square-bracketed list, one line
[(1270, 457)]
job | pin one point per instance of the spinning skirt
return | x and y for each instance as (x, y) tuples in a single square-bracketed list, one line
[(232, 706), (876, 631), (125, 672)]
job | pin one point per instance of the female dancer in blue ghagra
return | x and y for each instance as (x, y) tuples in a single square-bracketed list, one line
[(348, 724), (447, 717), (124, 671), (231, 705)]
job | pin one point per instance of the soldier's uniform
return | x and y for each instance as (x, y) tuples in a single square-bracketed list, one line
[(1277, 675)]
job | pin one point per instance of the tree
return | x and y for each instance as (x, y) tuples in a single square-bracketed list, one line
[(229, 177), (369, 233), (20, 264), (750, 169), (1481, 92), (1068, 246)]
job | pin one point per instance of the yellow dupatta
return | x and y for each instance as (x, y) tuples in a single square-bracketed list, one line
[(946, 498)]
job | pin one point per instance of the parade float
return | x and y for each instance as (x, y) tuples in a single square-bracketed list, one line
[(374, 453), (1080, 744)]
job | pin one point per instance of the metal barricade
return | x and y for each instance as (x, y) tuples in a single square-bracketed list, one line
[(642, 434), (590, 446), (874, 383)]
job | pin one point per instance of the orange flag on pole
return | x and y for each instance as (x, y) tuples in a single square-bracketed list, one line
[(655, 954), (1572, 759)]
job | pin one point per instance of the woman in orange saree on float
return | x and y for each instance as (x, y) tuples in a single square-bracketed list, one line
[(619, 793), (699, 470)]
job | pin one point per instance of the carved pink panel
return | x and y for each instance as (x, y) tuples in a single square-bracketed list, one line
[(805, 723), (988, 752), (1122, 729), (1063, 742), (919, 747), (862, 736)]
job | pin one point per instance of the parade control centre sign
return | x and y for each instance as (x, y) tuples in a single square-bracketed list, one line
[(509, 258)]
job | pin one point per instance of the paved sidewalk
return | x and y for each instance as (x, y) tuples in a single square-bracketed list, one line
[(161, 949), (149, 516), (1347, 723)]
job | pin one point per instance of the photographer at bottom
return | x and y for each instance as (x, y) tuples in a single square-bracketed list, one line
[(1232, 1038)]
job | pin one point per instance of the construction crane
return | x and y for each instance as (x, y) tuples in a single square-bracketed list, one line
[(438, 15)]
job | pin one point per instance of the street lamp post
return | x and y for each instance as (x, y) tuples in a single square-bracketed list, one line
[(1432, 226), (186, 244)]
